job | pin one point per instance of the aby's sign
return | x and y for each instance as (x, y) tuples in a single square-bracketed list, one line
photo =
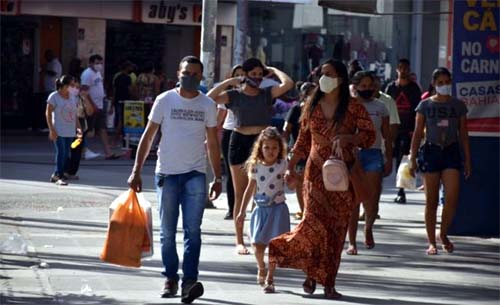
[(166, 12), (476, 62)]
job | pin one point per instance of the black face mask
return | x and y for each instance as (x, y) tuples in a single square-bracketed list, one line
[(365, 94), (189, 82), (254, 81)]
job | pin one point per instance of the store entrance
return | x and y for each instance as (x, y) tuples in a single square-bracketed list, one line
[(17, 62), (164, 45)]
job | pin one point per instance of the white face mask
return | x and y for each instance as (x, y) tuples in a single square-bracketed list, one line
[(73, 91), (328, 84), (443, 90), (98, 67)]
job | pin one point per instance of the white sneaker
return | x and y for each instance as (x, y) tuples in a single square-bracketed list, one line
[(61, 182), (90, 155)]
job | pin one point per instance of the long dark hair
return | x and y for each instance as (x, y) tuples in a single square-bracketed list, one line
[(344, 95)]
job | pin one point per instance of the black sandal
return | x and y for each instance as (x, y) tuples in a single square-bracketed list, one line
[(112, 157), (269, 288), (309, 285)]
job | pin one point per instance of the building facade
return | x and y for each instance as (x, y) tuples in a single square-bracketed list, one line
[(291, 35)]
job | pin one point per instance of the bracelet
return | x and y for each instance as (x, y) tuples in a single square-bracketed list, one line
[(218, 180)]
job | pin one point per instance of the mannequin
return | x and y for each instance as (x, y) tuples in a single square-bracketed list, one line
[(382, 67), (315, 53), (346, 52), (260, 54), (363, 52), (248, 51)]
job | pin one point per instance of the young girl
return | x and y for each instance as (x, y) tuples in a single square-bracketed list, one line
[(444, 119), (63, 123), (266, 170)]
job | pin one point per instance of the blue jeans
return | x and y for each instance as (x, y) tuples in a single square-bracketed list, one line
[(63, 151), (189, 191)]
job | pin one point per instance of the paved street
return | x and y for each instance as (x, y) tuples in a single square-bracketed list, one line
[(64, 228)]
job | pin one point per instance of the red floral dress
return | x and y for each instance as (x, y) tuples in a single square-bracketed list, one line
[(316, 244)]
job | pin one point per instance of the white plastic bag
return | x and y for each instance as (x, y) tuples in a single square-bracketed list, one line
[(403, 178), (146, 206)]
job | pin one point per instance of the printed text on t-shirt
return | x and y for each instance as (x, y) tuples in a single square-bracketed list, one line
[(187, 115)]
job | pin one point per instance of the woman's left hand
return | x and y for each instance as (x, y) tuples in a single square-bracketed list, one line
[(79, 133)]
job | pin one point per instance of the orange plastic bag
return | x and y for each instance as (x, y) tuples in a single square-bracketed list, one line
[(127, 235)]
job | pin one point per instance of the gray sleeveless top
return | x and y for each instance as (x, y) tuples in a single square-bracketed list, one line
[(251, 110)]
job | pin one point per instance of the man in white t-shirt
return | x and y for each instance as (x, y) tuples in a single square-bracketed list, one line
[(92, 82), (187, 118)]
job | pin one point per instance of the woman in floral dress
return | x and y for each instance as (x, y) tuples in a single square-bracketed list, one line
[(316, 244)]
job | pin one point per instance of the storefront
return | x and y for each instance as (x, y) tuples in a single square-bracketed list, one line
[(300, 35), (161, 31)]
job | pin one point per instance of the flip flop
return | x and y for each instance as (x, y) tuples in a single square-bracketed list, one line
[(112, 157), (351, 251), (432, 250), (448, 247), (242, 250), (369, 242), (309, 285)]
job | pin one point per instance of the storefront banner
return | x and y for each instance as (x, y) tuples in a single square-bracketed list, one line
[(476, 62), (184, 12), (133, 117)]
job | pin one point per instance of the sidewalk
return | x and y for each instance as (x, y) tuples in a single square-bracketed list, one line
[(64, 228)]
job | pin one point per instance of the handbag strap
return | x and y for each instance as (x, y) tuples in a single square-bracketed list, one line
[(336, 149)]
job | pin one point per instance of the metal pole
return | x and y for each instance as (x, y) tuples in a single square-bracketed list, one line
[(239, 54), (208, 38)]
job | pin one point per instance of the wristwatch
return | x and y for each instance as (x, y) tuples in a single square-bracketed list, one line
[(218, 180)]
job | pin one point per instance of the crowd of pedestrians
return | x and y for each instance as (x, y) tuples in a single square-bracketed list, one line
[(338, 113)]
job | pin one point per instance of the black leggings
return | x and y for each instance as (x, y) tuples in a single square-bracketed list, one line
[(226, 136)]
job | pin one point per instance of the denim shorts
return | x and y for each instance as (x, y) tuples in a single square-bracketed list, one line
[(435, 158), (372, 160)]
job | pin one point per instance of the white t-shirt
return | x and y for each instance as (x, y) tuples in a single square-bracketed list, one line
[(377, 111), (93, 80), (50, 81), (183, 122), (229, 121), (391, 107)]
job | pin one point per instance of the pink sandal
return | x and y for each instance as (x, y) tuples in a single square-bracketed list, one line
[(351, 250), (432, 250)]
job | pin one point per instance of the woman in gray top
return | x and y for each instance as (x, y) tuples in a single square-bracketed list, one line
[(444, 119), (252, 108), (376, 161), (63, 123)]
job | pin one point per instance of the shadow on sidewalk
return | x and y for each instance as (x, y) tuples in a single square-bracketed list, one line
[(66, 299)]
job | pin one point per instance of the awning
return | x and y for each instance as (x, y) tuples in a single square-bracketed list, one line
[(363, 7)]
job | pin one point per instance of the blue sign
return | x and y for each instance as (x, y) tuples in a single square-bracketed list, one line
[(476, 64)]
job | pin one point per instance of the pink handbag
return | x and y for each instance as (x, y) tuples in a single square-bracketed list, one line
[(335, 173)]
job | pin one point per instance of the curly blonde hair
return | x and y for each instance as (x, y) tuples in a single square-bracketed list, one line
[(270, 133)]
